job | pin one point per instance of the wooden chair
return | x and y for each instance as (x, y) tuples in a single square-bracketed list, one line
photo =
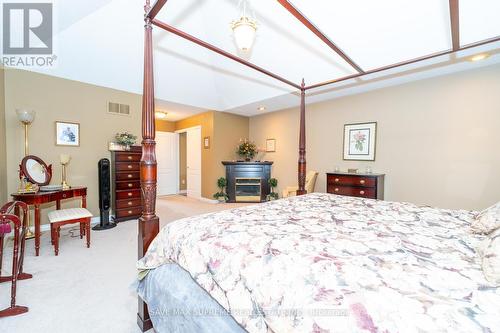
[(291, 191), (59, 218), (11, 213)]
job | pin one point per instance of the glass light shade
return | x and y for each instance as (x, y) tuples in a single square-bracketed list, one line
[(160, 115), (244, 31), (25, 116), (65, 158)]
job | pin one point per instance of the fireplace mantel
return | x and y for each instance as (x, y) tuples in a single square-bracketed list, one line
[(247, 181)]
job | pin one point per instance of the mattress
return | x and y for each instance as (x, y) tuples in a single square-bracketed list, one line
[(328, 263)]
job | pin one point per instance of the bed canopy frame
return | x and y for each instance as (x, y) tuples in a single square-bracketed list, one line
[(148, 226)]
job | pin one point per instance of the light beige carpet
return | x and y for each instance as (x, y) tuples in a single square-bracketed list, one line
[(87, 290)]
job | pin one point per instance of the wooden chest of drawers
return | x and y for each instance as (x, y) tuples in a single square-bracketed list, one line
[(356, 185), (126, 188)]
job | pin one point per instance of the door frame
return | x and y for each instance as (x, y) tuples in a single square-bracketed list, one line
[(177, 157), (185, 130)]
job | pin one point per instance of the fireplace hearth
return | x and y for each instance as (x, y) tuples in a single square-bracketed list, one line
[(247, 181)]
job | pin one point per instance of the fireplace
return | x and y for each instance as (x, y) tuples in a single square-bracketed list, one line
[(247, 181), (247, 190)]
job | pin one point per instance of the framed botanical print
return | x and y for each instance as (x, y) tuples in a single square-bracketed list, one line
[(270, 145), (67, 134), (360, 141)]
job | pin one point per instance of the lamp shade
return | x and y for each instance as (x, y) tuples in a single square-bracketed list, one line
[(65, 158), (244, 31), (25, 116)]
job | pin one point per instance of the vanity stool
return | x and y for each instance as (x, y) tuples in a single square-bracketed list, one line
[(58, 218)]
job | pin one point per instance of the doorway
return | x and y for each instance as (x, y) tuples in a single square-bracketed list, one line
[(190, 167), (167, 155)]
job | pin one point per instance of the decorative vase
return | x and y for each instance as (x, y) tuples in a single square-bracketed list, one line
[(247, 159), (126, 147)]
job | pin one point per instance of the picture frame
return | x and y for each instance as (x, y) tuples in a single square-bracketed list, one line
[(271, 145), (67, 134), (360, 140), (206, 142)]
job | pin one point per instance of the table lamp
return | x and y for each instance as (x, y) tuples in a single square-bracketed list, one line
[(65, 158)]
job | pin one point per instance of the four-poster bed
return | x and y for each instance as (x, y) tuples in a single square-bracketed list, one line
[(148, 227)]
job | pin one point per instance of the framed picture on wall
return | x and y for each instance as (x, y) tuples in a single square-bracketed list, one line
[(360, 141), (206, 142), (270, 145), (67, 134)]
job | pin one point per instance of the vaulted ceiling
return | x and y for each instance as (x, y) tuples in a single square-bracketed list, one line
[(101, 42)]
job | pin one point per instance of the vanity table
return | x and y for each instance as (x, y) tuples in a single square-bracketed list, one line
[(39, 198)]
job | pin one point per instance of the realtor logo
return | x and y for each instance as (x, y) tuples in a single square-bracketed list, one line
[(27, 28)]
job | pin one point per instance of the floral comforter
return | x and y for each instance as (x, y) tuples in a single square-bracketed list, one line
[(325, 263)]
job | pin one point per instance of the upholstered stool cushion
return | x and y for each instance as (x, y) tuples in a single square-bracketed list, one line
[(5, 228), (68, 214)]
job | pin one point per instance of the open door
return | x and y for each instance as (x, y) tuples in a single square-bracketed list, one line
[(193, 153), (167, 155)]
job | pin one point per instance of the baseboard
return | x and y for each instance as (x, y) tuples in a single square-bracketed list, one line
[(212, 201)]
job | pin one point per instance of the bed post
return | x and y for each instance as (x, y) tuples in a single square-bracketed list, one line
[(148, 222), (302, 141)]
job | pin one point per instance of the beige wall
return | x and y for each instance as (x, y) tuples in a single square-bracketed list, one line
[(224, 130), (3, 144), (229, 130), (437, 138), (59, 99), (164, 126)]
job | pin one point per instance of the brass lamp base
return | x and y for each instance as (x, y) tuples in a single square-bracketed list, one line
[(29, 234)]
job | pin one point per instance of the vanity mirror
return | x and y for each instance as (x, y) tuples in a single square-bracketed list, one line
[(36, 171)]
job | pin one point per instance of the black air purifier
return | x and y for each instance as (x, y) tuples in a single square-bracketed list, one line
[(104, 195)]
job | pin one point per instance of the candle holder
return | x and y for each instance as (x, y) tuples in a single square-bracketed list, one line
[(64, 162)]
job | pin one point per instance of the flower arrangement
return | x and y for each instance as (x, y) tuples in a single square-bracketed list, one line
[(125, 139), (247, 149), (221, 195)]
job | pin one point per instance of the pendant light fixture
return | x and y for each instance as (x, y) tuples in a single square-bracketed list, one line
[(244, 28)]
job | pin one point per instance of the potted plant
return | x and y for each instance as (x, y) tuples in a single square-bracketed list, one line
[(273, 182), (247, 150), (221, 195), (125, 139)]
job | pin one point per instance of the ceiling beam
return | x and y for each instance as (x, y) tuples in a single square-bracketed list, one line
[(155, 9), (298, 15), (455, 24), (404, 63), (215, 49)]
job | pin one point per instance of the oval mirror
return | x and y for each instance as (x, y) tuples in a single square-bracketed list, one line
[(35, 169)]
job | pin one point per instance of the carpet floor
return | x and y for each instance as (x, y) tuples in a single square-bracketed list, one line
[(87, 290)]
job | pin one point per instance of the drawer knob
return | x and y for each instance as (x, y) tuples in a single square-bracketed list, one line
[(362, 181), (129, 166), (130, 185), (130, 203), (129, 157), (64, 196), (336, 189), (361, 192), (129, 176), (129, 194), (337, 180), (130, 212)]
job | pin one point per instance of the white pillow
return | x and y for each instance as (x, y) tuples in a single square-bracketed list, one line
[(487, 221), (491, 258)]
